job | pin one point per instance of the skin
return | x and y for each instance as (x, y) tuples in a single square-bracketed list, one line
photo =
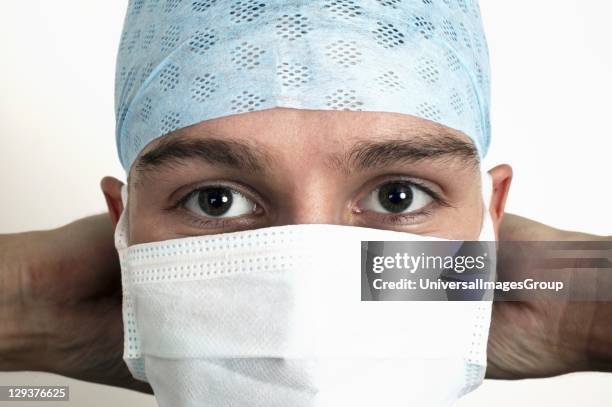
[(552, 337), (60, 303), (60, 310), (305, 171)]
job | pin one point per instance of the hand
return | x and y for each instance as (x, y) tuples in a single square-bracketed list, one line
[(60, 310), (545, 338), (60, 304)]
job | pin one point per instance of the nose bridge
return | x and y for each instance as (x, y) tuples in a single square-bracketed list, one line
[(312, 192), (314, 198)]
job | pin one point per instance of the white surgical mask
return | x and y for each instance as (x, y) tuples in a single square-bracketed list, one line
[(273, 317)]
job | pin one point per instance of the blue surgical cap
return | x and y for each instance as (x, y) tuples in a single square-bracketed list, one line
[(184, 61)]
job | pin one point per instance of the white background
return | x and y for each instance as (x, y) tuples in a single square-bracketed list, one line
[(552, 94)]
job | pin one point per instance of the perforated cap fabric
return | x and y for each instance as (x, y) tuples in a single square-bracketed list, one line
[(181, 62)]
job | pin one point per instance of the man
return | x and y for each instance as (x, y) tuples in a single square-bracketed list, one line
[(239, 117), (282, 166)]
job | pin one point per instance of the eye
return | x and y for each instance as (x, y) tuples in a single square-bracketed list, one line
[(218, 202), (396, 197)]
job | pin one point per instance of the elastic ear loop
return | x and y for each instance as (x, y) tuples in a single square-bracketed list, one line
[(486, 182), (124, 195), (121, 230)]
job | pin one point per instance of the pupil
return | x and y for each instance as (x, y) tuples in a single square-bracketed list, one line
[(395, 197), (215, 201)]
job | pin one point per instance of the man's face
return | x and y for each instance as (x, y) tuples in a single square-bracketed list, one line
[(288, 166)]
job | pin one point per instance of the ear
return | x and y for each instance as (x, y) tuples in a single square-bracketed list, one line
[(501, 177), (111, 188)]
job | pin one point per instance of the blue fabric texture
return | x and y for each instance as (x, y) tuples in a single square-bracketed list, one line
[(181, 62)]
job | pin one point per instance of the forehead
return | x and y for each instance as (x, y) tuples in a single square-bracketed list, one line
[(300, 142), (309, 130)]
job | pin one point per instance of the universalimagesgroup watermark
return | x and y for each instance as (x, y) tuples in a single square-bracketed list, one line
[(479, 284), (473, 270)]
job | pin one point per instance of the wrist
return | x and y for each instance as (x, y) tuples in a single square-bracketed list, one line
[(592, 326), (23, 330), (599, 347)]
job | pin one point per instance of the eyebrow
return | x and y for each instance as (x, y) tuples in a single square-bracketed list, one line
[(368, 154), (361, 156), (213, 150)]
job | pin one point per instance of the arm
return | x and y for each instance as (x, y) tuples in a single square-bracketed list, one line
[(60, 311), (60, 303), (541, 339)]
